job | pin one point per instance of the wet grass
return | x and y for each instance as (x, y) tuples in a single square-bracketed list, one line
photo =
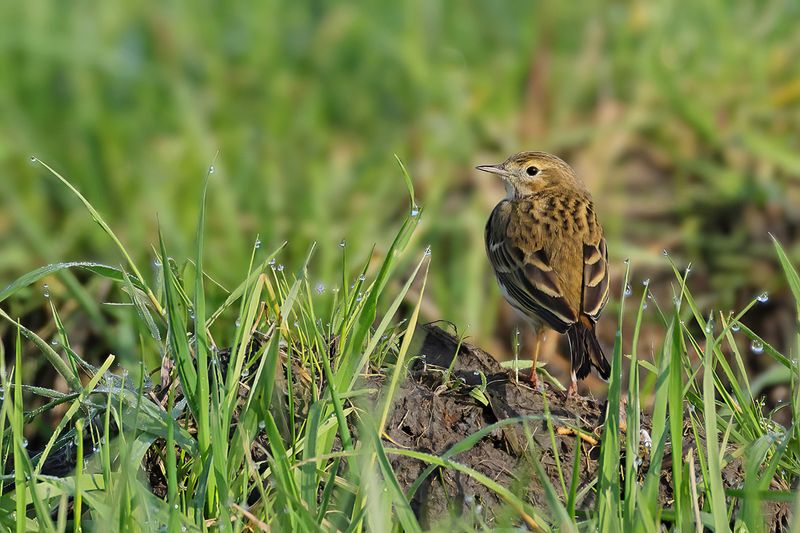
[(231, 458)]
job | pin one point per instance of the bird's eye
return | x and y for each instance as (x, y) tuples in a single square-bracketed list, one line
[(531, 171)]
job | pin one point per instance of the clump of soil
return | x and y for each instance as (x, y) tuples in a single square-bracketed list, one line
[(430, 415)]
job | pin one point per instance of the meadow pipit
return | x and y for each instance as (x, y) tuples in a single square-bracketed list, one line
[(549, 256)]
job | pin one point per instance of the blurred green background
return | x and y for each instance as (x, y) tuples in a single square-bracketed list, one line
[(683, 118)]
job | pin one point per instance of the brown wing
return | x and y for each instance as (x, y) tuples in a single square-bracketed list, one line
[(525, 274), (595, 278)]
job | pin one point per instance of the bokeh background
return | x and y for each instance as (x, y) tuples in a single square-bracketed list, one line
[(682, 117)]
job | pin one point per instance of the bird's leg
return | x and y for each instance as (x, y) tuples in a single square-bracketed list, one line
[(537, 342), (572, 390)]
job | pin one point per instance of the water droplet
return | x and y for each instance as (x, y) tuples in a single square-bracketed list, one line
[(272, 262), (415, 211), (46, 291), (175, 506), (735, 327), (238, 322), (709, 326), (261, 424), (757, 346), (627, 261), (258, 244), (245, 372), (763, 297), (320, 288), (688, 268), (628, 290), (475, 373), (279, 268), (54, 342), (676, 300), (34, 159), (359, 297), (646, 282), (191, 313), (665, 252), (362, 277), (157, 262), (335, 290), (428, 251), (644, 305), (24, 442), (211, 169), (342, 243)]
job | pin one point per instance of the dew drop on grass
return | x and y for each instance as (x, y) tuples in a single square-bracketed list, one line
[(245, 372), (157, 263), (415, 211), (665, 252), (709, 326), (24, 442), (46, 291), (212, 169), (735, 327), (238, 322), (342, 243), (644, 305), (279, 268), (646, 282), (54, 342), (627, 261), (763, 297), (320, 288), (757, 346), (258, 244), (34, 159), (628, 290), (362, 277), (428, 251), (261, 424)]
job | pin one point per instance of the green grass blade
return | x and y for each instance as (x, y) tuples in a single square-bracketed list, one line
[(107, 229)]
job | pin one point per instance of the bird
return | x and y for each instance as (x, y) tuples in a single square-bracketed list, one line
[(548, 253)]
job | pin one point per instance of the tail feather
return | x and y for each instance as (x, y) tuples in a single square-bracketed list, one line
[(585, 351)]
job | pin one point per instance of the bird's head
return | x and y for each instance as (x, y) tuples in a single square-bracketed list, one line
[(527, 173)]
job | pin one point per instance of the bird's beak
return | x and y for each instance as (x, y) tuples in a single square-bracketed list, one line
[(494, 169)]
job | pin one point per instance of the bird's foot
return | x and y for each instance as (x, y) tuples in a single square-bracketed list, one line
[(535, 383), (572, 390)]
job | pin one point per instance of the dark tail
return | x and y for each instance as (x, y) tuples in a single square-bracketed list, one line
[(585, 351)]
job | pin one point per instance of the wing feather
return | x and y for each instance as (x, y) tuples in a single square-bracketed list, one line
[(595, 278), (527, 277)]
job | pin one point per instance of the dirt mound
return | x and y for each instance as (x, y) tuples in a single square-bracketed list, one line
[(433, 410)]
